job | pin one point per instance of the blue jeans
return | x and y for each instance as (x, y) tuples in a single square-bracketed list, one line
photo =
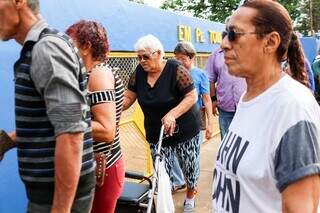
[(187, 155), (177, 174), (201, 136), (225, 119)]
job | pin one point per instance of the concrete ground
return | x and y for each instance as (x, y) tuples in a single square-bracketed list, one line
[(203, 197)]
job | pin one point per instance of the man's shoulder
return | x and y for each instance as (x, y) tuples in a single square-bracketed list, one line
[(52, 50), (36, 30), (217, 52), (54, 45), (53, 40)]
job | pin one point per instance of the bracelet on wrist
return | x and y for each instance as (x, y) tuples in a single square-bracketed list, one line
[(213, 98)]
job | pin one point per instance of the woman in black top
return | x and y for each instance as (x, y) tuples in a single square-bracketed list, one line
[(166, 94)]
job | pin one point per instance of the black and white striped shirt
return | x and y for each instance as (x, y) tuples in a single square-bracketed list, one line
[(116, 95)]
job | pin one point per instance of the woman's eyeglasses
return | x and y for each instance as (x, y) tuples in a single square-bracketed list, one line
[(233, 35), (145, 56)]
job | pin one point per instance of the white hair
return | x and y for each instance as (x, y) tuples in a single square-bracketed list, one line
[(149, 42)]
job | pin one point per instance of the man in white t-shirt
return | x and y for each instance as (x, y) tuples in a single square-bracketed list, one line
[(254, 164), (269, 160)]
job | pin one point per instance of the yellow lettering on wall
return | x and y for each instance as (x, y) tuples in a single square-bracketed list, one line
[(199, 35), (184, 33), (188, 33), (180, 32), (215, 37)]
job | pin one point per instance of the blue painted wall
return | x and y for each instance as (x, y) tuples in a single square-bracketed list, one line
[(127, 21), (310, 46), (12, 194)]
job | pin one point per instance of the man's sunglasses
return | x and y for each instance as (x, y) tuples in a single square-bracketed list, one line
[(233, 35), (145, 56)]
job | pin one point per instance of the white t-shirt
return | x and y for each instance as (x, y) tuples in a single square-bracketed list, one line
[(272, 141)]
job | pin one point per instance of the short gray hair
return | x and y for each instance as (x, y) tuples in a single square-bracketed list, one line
[(185, 48), (34, 5), (149, 42)]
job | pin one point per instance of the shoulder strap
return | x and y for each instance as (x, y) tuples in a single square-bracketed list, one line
[(68, 40)]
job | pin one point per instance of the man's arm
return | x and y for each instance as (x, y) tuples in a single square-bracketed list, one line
[(205, 96), (67, 162), (208, 107), (213, 99), (302, 195), (297, 166), (212, 75)]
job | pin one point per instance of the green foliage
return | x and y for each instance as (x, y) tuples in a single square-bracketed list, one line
[(316, 15), (215, 10), (218, 10), (292, 7), (309, 15)]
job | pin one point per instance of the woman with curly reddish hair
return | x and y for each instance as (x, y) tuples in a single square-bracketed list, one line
[(105, 97)]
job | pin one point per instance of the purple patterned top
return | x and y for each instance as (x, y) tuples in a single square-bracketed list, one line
[(228, 88)]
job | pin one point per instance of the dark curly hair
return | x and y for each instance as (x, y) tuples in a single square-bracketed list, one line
[(84, 32)]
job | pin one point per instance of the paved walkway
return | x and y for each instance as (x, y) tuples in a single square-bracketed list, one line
[(203, 197), (134, 150)]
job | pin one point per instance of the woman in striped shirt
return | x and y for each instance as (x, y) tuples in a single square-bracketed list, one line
[(105, 99)]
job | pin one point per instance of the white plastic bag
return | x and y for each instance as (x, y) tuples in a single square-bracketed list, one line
[(164, 197)]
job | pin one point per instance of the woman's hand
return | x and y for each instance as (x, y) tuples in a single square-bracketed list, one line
[(169, 122), (215, 108), (209, 130)]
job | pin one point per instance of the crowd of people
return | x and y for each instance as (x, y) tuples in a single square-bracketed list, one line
[(68, 105)]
